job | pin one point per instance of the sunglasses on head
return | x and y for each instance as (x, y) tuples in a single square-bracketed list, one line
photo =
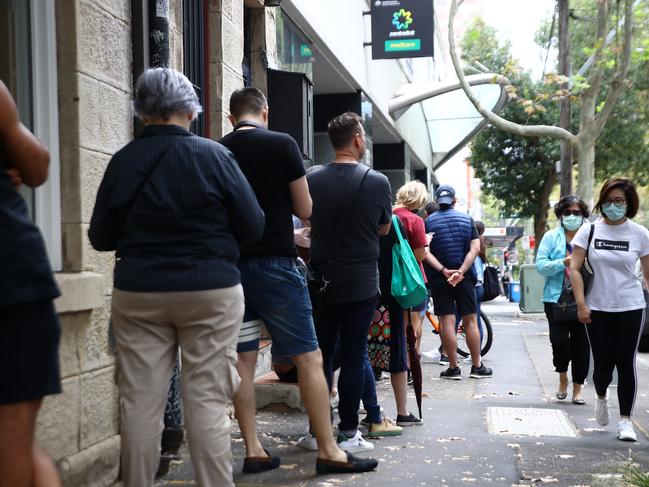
[(572, 212)]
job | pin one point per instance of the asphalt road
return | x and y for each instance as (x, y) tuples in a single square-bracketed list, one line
[(505, 431)]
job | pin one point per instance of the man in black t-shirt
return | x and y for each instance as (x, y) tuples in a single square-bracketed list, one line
[(344, 249), (275, 290)]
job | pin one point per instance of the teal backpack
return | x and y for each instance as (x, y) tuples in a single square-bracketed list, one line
[(408, 286)]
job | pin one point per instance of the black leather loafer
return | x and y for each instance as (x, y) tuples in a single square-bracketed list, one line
[(352, 465), (260, 464)]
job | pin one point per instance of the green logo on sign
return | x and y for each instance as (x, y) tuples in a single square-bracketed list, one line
[(402, 19), (403, 45), (305, 51)]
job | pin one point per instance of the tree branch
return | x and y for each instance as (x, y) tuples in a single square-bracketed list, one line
[(501, 123), (617, 84), (595, 77)]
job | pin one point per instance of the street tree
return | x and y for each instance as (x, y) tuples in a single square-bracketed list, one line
[(623, 146), (516, 171), (595, 108)]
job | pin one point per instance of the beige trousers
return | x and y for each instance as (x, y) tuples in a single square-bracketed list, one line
[(148, 329)]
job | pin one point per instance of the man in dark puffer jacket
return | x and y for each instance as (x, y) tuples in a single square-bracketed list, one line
[(454, 245)]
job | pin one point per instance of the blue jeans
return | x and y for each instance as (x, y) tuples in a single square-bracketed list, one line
[(350, 321), (276, 292)]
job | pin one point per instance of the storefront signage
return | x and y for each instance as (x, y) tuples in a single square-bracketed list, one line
[(402, 29)]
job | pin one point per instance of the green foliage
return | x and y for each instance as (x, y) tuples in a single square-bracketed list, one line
[(480, 44)]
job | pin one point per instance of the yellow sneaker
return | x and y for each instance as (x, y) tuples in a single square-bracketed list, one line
[(386, 427)]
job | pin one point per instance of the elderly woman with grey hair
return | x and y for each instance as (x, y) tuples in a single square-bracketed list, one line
[(175, 207)]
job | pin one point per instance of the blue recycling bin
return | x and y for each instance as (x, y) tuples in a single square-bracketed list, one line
[(514, 291)]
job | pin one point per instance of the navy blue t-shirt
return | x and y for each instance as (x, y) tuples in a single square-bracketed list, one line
[(25, 271)]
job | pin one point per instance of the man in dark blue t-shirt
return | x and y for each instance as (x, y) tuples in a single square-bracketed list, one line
[(454, 246), (275, 289), (348, 217)]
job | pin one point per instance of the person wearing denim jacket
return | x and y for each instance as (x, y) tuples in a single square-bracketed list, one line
[(569, 340)]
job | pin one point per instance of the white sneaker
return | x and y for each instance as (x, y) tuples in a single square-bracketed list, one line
[(601, 411), (355, 444), (308, 442), (625, 430), (430, 357)]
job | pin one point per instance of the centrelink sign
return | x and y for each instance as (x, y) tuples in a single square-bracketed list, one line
[(402, 28)]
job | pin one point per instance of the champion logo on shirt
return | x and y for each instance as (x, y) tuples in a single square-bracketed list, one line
[(601, 244)]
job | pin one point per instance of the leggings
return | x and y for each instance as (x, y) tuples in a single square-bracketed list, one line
[(614, 341), (569, 344)]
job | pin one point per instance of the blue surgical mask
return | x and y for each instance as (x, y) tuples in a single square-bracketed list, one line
[(614, 212), (572, 222)]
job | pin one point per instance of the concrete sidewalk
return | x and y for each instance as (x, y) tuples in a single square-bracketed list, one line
[(502, 431)]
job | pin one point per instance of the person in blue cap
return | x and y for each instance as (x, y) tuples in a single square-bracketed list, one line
[(454, 245)]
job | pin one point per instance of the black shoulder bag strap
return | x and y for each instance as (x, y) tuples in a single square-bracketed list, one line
[(127, 209), (350, 195)]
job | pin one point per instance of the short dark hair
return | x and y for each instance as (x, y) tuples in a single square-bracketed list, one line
[(567, 201), (630, 193), (480, 226), (343, 129), (247, 100), (431, 207)]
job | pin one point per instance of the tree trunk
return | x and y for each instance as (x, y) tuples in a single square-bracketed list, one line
[(541, 214), (586, 164)]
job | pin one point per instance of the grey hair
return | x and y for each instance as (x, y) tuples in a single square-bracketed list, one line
[(161, 92)]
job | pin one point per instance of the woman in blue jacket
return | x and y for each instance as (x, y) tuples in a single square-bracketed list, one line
[(569, 340)]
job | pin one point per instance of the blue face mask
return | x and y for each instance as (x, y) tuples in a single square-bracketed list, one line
[(614, 212), (572, 222)]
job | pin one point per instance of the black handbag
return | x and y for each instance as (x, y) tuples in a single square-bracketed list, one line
[(490, 283), (565, 310)]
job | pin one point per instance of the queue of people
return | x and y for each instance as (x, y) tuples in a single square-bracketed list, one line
[(204, 240)]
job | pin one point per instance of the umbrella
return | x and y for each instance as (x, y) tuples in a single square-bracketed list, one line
[(415, 364)]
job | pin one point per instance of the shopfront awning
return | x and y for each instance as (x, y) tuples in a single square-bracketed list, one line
[(451, 117)]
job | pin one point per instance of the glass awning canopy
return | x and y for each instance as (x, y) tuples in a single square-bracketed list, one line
[(451, 117)]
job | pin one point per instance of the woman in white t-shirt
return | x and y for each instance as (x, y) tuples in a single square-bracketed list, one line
[(614, 306)]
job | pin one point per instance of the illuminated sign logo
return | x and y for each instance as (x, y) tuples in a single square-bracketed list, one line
[(402, 19)]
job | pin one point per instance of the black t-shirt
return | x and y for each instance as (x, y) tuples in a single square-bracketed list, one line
[(270, 160), (25, 272), (354, 250)]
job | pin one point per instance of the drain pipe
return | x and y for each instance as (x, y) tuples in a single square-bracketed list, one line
[(159, 33)]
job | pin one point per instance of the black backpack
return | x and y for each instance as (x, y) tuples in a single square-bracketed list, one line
[(490, 283)]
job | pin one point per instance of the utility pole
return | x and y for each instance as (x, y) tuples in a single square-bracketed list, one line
[(566, 111)]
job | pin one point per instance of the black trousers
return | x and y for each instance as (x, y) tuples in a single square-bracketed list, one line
[(569, 344), (614, 338)]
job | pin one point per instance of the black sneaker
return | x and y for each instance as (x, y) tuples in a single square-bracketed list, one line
[(410, 380), (453, 374), (378, 374), (410, 420), (481, 372), (443, 360)]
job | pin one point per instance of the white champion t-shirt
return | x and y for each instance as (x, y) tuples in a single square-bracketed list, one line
[(613, 254)]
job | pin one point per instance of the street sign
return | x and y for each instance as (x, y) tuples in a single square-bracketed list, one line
[(512, 257), (402, 29), (495, 231)]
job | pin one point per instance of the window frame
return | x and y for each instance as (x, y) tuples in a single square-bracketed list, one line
[(45, 116)]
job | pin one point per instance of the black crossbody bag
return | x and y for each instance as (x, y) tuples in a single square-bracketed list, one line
[(565, 310)]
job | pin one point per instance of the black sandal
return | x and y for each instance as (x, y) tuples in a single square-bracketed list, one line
[(352, 465)]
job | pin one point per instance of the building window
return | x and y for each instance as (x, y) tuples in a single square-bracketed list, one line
[(28, 68), (193, 55), (294, 51)]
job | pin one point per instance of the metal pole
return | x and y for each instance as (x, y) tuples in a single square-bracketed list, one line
[(159, 33), (566, 111)]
